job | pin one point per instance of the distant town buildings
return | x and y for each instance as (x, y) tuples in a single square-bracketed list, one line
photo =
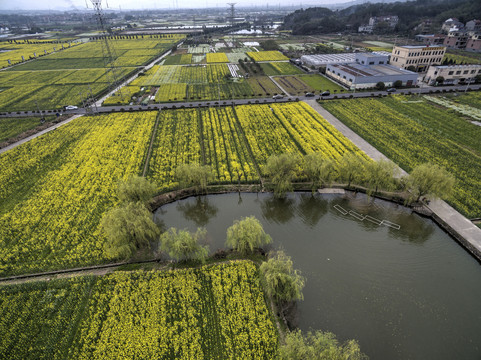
[(451, 23), (379, 22), (452, 74), (418, 57), (457, 35), (431, 39)]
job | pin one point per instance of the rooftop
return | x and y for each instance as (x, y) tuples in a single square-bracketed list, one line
[(339, 58), (418, 46), (371, 70), (455, 66)]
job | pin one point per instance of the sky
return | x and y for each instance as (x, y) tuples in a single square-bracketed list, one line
[(148, 4)]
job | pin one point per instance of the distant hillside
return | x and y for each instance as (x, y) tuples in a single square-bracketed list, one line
[(322, 20)]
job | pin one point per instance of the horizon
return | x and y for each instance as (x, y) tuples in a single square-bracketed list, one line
[(130, 5)]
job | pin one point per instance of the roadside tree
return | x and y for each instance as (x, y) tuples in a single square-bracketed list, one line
[(429, 180)]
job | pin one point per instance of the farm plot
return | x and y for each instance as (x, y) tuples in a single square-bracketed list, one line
[(290, 128), (205, 82), (472, 99), (234, 57), (14, 50), (216, 58), (55, 188), (293, 85), (171, 92), (53, 80), (414, 133), (266, 56), (40, 319), (262, 85), (179, 59), (246, 136), (280, 68), (213, 312), (463, 109), (177, 142), (320, 83), (11, 127), (224, 148)]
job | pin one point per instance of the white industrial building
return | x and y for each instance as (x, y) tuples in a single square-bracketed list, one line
[(369, 69), (327, 59)]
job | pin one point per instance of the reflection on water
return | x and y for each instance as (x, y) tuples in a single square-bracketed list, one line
[(407, 293), (311, 208), (278, 210), (200, 211)]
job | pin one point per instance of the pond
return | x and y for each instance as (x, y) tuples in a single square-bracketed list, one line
[(375, 272)]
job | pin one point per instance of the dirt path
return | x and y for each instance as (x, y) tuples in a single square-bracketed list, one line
[(20, 142), (151, 145)]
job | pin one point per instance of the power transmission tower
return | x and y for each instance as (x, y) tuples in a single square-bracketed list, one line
[(108, 52), (231, 13)]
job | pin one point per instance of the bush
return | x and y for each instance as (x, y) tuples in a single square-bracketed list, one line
[(380, 86)]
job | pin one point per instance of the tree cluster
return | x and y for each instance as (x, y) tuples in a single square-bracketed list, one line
[(129, 226), (425, 181), (319, 20)]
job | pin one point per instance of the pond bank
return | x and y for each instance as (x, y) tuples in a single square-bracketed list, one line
[(467, 234)]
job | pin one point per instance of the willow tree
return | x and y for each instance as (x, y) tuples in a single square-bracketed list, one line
[(184, 245), (429, 180), (351, 168), (283, 283), (194, 175), (318, 345), (247, 234), (136, 189), (128, 228), (319, 170), (381, 174), (282, 170)]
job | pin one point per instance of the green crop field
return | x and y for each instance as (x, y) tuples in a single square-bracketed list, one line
[(320, 83), (205, 82), (69, 76), (280, 68), (214, 312), (11, 127), (293, 85), (55, 188), (412, 133)]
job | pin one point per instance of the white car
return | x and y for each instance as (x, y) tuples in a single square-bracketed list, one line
[(278, 96), (71, 107)]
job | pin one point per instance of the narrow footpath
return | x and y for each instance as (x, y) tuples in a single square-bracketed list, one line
[(20, 142), (451, 220)]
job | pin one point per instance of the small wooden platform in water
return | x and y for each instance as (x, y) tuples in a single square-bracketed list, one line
[(331, 191)]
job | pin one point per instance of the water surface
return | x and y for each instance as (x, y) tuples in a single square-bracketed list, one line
[(407, 293)]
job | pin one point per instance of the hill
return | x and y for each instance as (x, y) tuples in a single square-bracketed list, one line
[(322, 20)]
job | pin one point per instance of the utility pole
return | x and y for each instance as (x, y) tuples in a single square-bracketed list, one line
[(108, 51)]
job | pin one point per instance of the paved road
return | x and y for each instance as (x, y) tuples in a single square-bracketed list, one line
[(173, 105), (467, 233), (362, 144)]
